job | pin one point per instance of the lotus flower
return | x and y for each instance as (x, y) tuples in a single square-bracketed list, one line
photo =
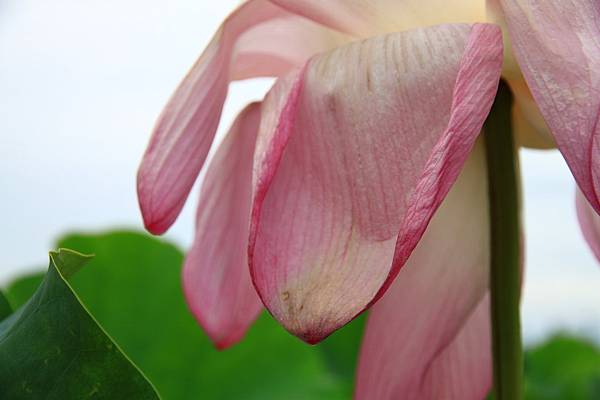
[(361, 174)]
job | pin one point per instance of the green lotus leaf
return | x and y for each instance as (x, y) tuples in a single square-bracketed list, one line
[(52, 348)]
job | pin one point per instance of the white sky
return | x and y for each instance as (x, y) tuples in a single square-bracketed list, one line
[(81, 83)]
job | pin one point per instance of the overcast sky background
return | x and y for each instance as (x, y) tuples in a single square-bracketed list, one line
[(81, 83)]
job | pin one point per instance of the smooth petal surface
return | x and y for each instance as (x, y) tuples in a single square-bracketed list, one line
[(368, 17), (414, 346), (356, 160), (464, 369), (529, 127), (276, 46), (589, 222), (557, 45), (258, 39), (216, 281)]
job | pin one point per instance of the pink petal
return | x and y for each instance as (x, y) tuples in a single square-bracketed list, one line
[(529, 127), (557, 45), (463, 370), (278, 45), (420, 342), (185, 130), (216, 281), (368, 17), (354, 17), (354, 162), (589, 222)]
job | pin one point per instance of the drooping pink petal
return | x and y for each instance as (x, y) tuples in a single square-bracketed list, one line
[(356, 160), (368, 17), (557, 45), (216, 281), (464, 369), (185, 130), (354, 17), (417, 343), (589, 221), (278, 45)]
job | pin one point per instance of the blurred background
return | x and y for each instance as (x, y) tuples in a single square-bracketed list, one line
[(81, 83)]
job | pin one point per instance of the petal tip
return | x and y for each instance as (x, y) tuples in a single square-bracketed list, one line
[(154, 225), (156, 221), (310, 333), (311, 337), (224, 343), (222, 331), (219, 340), (222, 346)]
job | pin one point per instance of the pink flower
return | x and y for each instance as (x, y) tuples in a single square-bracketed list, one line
[(360, 173)]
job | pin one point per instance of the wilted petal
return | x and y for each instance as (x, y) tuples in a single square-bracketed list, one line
[(185, 130), (368, 17), (216, 280), (370, 140), (410, 349), (557, 45), (589, 222)]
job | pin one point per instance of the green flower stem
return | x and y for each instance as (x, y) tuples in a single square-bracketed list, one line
[(505, 277)]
